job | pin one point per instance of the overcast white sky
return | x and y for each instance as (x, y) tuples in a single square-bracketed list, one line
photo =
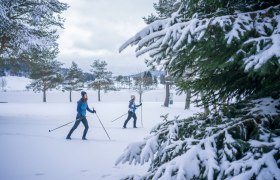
[(95, 29)]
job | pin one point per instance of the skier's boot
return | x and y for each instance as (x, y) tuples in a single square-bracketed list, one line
[(68, 138)]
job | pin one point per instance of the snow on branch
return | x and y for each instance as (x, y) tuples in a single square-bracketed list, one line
[(234, 148), (155, 26), (263, 165), (265, 106), (270, 49), (168, 36), (28, 25), (149, 150), (131, 153)]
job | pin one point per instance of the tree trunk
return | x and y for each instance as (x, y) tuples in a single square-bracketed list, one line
[(205, 104), (99, 95), (140, 99), (167, 94), (129, 83), (188, 99), (70, 96), (44, 96)]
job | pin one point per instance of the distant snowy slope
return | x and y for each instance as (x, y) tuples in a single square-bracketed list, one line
[(15, 83)]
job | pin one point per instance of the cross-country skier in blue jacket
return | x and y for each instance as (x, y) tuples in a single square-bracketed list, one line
[(82, 107), (131, 111)]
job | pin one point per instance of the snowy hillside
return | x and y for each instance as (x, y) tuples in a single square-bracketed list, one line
[(15, 83)]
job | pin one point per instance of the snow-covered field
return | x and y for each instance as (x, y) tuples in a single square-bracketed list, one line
[(29, 151)]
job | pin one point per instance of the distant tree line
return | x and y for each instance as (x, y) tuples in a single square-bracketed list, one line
[(152, 79), (47, 73)]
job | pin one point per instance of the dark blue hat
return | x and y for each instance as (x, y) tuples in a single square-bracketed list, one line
[(83, 93)]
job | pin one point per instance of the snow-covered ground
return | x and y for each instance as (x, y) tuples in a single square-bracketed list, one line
[(29, 151), (15, 83)]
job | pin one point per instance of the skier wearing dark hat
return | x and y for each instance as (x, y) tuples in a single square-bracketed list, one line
[(131, 112), (82, 107)]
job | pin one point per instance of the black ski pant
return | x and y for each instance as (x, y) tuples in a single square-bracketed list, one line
[(85, 123), (130, 115)]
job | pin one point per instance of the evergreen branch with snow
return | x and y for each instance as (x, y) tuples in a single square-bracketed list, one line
[(223, 50), (27, 25), (218, 147), (170, 36)]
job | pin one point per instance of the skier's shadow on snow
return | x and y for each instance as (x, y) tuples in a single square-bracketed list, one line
[(39, 174)]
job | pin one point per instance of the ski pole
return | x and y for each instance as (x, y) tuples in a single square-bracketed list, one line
[(141, 117), (103, 126), (119, 117), (60, 126)]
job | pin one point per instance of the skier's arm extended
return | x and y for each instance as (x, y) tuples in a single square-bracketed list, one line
[(139, 105), (92, 111)]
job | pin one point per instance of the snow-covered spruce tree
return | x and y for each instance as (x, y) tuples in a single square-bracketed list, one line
[(246, 146), (148, 79), (103, 78), (74, 80), (27, 25), (142, 82), (45, 72), (224, 42), (164, 8), (232, 48)]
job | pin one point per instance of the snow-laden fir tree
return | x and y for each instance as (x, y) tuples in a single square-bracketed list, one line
[(142, 82), (216, 39), (103, 77), (27, 25), (245, 146), (45, 72), (74, 80), (148, 79), (232, 48)]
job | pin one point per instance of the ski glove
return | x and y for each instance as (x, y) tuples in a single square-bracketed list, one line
[(94, 111)]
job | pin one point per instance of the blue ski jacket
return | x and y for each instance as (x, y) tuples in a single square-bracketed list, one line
[(82, 107), (132, 107)]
